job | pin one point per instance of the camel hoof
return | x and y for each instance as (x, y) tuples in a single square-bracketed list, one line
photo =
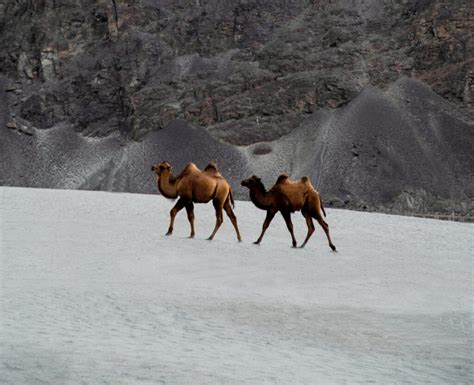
[(333, 248), (209, 239), (302, 246), (168, 233), (256, 243)]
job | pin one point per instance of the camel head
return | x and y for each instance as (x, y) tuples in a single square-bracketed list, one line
[(159, 168), (252, 182)]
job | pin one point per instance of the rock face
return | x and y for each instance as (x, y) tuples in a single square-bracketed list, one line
[(372, 99), (247, 70)]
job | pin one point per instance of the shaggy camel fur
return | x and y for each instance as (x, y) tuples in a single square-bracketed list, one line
[(196, 186), (287, 197)]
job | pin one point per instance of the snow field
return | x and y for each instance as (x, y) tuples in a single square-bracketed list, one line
[(92, 292)]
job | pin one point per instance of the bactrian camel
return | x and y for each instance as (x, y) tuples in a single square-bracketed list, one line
[(288, 196), (195, 186)]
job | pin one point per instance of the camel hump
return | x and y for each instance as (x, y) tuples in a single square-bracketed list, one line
[(212, 169), (212, 166), (305, 180), (189, 169), (282, 178)]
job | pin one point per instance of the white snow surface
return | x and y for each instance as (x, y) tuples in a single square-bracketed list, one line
[(92, 292)]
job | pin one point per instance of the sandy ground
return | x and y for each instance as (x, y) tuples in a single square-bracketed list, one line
[(92, 292)]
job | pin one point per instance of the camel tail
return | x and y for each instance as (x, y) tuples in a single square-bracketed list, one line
[(231, 199), (306, 180), (322, 207)]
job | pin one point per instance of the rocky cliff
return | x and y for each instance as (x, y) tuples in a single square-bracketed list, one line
[(247, 71)]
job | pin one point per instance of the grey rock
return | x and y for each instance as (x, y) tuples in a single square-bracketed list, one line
[(246, 70)]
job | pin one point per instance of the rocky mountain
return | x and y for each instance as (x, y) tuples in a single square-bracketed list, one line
[(248, 70), (379, 93)]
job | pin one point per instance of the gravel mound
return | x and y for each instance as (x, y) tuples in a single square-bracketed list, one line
[(401, 150)]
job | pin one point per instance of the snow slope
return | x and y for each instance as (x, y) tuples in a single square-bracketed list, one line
[(93, 293)]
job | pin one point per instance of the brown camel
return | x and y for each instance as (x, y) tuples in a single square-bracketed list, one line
[(288, 196), (196, 186)]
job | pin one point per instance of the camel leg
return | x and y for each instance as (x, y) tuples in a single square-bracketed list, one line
[(266, 223), (190, 212), (232, 217), (177, 207), (325, 227), (310, 224), (287, 217), (219, 218)]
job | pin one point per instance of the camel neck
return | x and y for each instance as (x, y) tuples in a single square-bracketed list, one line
[(167, 186), (261, 198)]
